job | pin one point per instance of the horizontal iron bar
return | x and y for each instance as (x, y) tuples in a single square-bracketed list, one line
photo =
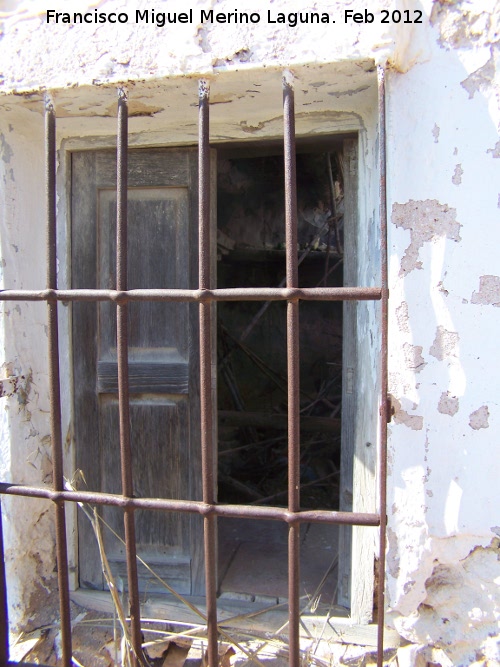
[(200, 296), (194, 506)]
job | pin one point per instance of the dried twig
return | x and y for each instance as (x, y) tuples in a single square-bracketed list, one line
[(182, 599)]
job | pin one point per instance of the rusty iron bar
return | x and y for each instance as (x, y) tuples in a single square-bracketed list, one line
[(194, 507), (292, 325), (199, 296), (54, 383), (123, 380), (383, 366), (206, 408), (4, 614)]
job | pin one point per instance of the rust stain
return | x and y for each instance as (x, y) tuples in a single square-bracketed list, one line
[(489, 291), (426, 221)]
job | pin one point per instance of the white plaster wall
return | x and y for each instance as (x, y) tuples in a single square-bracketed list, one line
[(443, 122), (443, 570), (25, 437)]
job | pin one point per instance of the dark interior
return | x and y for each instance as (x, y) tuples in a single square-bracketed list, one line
[(252, 369)]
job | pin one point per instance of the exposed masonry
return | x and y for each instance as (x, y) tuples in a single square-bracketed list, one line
[(479, 418), (448, 404), (445, 344), (452, 588), (16, 383), (489, 290), (426, 221)]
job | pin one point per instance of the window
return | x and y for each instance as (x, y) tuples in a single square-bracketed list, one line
[(147, 383)]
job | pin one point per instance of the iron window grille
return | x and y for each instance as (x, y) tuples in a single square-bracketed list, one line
[(205, 295)]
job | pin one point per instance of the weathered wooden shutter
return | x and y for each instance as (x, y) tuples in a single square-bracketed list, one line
[(163, 359)]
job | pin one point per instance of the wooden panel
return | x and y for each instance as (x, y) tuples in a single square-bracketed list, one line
[(150, 166), (157, 258), (145, 377), (349, 366), (160, 450), (163, 354), (176, 572)]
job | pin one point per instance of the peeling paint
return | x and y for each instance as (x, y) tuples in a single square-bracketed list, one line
[(445, 344), (402, 317), (479, 418), (442, 288), (448, 404), (464, 25), (479, 79), (392, 553), (489, 291), (415, 422), (462, 630), (426, 221), (355, 91), (413, 357), (251, 129), (16, 384), (457, 176), (495, 152)]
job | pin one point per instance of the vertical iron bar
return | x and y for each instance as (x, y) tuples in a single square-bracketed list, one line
[(292, 280), (206, 407), (383, 367), (4, 615), (123, 380), (54, 382)]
